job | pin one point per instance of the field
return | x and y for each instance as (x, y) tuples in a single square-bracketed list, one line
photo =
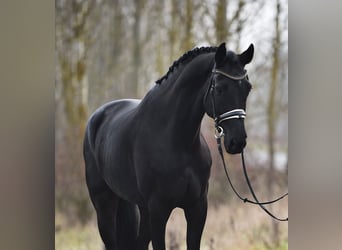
[(228, 227)]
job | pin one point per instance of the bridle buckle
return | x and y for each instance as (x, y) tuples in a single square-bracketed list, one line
[(219, 132)]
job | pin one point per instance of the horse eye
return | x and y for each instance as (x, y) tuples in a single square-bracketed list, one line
[(220, 89)]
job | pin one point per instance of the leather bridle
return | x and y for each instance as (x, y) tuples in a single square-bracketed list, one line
[(232, 114), (219, 133)]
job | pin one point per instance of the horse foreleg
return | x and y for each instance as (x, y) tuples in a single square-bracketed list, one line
[(195, 218), (158, 215), (144, 229)]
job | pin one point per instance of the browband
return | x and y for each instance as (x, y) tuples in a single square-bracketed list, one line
[(229, 76)]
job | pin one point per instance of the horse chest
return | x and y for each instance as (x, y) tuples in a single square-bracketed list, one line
[(194, 187), (179, 180)]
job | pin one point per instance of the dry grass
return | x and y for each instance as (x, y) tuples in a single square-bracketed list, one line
[(233, 227), (76, 237), (230, 227)]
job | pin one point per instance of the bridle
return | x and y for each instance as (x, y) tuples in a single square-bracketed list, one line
[(219, 133), (232, 114)]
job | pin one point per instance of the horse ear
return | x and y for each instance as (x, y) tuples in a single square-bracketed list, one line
[(247, 56), (220, 54)]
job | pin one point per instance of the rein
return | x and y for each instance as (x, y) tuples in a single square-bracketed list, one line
[(256, 202), (219, 133)]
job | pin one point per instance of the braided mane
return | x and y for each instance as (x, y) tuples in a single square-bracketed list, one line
[(187, 56)]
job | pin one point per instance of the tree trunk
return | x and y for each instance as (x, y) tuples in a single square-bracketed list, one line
[(71, 47), (272, 118), (173, 30), (223, 25), (132, 85), (221, 22), (240, 24), (188, 41)]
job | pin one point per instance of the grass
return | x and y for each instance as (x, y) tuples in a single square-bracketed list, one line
[(76, 237), (228, 227)]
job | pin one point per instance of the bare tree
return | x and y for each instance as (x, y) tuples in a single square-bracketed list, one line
[(221, 24), (72, 55), (72, 44), (133, 83), (188, 39), (272, 116), (226, 26)]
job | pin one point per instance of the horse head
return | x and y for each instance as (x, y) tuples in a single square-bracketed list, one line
[(225, 100)]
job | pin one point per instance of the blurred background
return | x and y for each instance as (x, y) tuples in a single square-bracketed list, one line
[(111, 49)]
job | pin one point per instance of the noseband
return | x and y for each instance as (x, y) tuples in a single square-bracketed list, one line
[(219, 133)]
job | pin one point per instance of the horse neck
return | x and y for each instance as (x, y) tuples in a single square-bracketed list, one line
[(181, 101)]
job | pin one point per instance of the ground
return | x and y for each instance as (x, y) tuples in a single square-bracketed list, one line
[(228, 227)]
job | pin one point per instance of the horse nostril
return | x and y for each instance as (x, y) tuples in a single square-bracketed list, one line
[(233, 142), (236, 143)]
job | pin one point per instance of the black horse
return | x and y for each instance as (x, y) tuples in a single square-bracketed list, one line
[(146, 157)]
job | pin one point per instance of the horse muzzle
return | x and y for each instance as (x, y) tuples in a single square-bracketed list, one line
[(234, 145)]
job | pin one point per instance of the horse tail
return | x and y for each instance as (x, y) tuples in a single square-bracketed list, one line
[(127, 225)]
